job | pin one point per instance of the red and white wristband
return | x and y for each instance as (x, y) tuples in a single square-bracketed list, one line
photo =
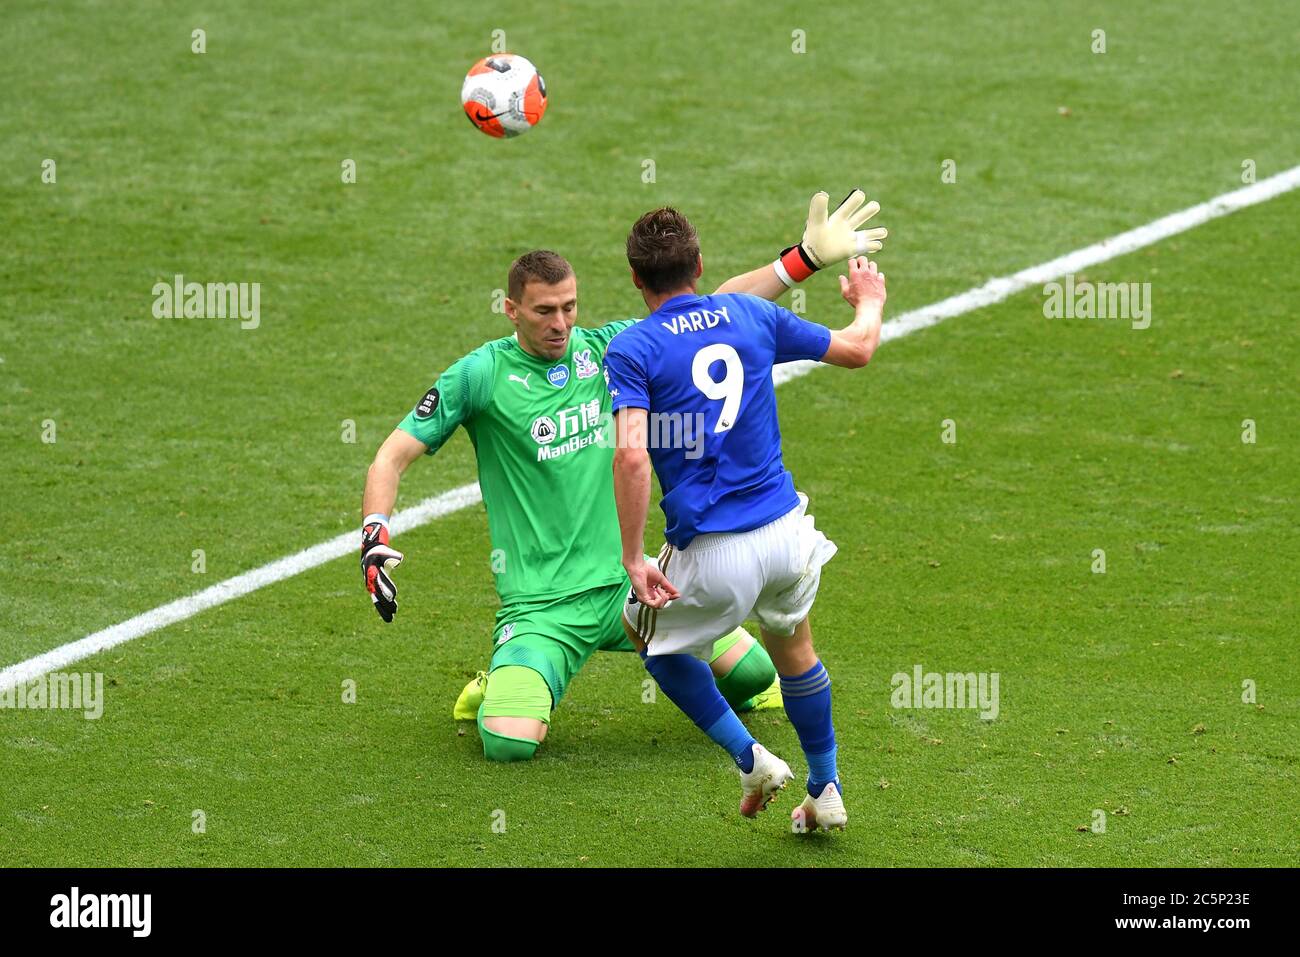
[(794, 265)]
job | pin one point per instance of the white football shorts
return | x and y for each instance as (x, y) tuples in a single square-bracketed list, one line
[(771, 572)]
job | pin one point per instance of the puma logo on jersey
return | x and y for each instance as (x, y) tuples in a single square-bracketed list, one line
[(696, 320), (523, 382)]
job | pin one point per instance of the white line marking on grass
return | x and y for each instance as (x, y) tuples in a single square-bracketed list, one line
[(231, 588), (993, 291)]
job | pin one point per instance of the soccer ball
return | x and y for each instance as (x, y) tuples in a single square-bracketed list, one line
[(504, 95)]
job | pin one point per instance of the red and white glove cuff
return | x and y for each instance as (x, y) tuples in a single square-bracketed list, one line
[(794, 265), (374, 530)]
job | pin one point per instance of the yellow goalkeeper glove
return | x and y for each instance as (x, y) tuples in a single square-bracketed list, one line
[(831, 239)]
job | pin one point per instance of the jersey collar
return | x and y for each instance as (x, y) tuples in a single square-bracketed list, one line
[(677, 302)]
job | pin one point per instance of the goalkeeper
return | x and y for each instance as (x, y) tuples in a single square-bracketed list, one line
[(537, 411)]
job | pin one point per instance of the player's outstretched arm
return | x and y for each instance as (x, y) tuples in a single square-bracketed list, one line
[(864, 289), (632, 495), (762, 282), (827, 239), (398, 451)]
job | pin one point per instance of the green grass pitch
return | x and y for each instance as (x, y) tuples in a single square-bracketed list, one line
[(1120, 692)]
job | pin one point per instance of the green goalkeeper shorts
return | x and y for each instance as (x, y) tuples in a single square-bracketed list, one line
[(555, 637)]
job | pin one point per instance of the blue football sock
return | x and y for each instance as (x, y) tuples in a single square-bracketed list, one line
[(821, 770), (689, 684), (808, 705)]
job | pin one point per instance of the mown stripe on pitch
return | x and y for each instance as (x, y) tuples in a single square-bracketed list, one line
[(993, 291)]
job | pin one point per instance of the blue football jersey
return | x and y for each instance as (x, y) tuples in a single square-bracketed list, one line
[(702, 367)]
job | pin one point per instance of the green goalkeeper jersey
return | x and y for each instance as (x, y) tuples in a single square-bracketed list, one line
[(543, 437)]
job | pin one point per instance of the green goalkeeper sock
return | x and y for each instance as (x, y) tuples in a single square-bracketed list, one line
[(503, 747), (753, 673)]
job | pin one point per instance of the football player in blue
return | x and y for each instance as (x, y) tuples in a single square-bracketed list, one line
[(739, 541)]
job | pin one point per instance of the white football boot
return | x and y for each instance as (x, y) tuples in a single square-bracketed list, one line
[(825, 812), (759, 786)]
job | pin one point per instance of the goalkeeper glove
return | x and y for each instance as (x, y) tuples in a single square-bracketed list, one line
[(376, 559), (830, 239)]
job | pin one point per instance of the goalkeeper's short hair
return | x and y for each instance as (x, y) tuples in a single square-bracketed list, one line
[(540, 265)]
